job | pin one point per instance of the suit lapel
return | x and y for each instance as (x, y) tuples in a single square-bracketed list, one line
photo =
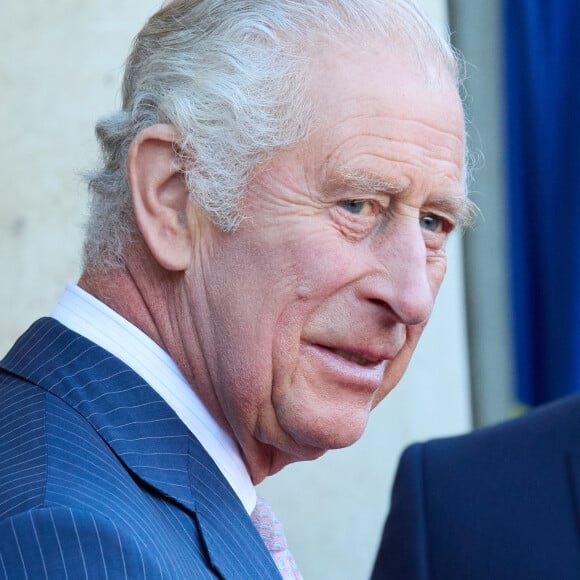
[(235, 547), (146, 435)]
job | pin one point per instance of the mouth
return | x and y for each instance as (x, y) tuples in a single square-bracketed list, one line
[(365, 360), (355, 357), (357, 370)]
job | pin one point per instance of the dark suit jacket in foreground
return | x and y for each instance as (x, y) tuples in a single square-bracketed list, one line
[(499, 504), (100, 479)]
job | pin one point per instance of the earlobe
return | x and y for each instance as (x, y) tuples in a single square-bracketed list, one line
[(160, 196)]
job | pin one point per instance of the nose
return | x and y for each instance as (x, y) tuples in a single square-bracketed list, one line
[(407, 283)]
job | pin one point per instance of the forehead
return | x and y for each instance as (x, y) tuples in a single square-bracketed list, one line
[(382, 100), (385, 77)]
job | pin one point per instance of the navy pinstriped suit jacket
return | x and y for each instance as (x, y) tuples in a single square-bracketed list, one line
[(100, 479)]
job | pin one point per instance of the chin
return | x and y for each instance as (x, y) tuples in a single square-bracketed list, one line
[(319, 433), (283, 458)]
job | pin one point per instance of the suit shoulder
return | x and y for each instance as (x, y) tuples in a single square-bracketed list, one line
[(23, 453), (48, 451), (44, 542), (516, 448), (554, 425)]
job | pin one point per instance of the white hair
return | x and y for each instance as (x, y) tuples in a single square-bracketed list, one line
[(232, 77)]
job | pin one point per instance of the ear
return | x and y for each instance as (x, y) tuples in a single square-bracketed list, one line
[(160, 196)]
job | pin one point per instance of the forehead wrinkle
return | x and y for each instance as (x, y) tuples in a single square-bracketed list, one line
[(438, 149), (447, 136)]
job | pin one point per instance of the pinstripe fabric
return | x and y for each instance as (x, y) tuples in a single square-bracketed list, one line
[(100, 479)]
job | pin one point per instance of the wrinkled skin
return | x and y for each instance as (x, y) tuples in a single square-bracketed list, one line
[(314, 306), (293, 327)]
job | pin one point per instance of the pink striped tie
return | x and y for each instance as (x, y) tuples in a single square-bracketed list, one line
[(272, 533)]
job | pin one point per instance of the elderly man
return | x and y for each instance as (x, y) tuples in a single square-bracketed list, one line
[(265, 244)]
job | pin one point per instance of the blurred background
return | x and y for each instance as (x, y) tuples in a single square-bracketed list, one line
[(505, 334)]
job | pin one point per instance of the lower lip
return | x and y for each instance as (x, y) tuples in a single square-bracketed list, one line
[(352, 374)]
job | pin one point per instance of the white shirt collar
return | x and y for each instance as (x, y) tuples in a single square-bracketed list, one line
[(84, 314)]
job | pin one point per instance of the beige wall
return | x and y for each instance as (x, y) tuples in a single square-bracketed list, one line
[(60, 67), (59, 71)]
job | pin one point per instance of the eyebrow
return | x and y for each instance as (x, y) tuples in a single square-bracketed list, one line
[(460, 207), (367, 183)]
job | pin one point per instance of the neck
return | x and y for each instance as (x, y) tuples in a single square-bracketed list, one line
[(161, 304), (154, 300)]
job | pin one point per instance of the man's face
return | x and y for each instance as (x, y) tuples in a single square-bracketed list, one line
[(313, 307)]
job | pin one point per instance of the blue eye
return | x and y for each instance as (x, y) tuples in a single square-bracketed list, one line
[(354, 206), (431, 223)]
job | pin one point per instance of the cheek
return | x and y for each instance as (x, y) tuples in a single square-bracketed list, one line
[(399, 364), (324, 264), (259, 306), (320, 273), (436, 269)]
